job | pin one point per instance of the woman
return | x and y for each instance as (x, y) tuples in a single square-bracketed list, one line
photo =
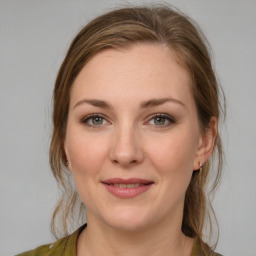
[(136, 110)]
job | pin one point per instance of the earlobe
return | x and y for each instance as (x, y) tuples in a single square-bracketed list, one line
[(206, 143), (66, 161)]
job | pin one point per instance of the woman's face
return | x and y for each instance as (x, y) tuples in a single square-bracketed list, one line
[(133, 137)]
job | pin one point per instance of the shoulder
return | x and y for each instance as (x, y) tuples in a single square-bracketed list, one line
[(57, 248), (216, 254), (64, 247), (41, 250)]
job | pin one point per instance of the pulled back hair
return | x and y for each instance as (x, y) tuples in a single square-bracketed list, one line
[(118, 29)]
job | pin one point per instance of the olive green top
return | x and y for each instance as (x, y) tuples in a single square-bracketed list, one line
[(67, 247)]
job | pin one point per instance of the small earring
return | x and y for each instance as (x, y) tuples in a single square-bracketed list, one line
[(201, 167), (67, 163)]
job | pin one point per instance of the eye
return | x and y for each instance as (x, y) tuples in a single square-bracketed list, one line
[(94, 120), (161, 120)]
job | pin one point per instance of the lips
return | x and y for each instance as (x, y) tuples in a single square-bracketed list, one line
[(127, 188)]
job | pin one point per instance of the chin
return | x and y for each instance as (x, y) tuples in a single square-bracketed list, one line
[(131, 226), (128, 220)]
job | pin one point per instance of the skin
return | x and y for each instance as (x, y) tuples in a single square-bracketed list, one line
[(128, 142)]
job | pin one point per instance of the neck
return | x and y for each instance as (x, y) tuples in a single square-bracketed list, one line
[(159, 239)]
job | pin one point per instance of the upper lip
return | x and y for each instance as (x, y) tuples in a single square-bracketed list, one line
[(127, 181)]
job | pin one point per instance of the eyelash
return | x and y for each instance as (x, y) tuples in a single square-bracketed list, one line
[(170, 120), (86, 119)]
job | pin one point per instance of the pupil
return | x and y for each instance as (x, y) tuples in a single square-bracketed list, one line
[(97, 120), (159, 120)]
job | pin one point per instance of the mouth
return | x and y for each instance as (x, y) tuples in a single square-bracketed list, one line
[(127, 188), (127, 185)]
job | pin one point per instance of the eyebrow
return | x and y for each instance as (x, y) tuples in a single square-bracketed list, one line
[(157, 102), (144, 104), (94, 102)]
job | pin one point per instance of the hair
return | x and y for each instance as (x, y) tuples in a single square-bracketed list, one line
[(119, 29)]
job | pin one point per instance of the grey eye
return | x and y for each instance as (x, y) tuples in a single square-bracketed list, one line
[(97, 120), (94, 120), (160, 120)]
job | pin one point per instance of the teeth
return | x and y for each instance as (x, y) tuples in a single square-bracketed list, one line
[(127, 185)]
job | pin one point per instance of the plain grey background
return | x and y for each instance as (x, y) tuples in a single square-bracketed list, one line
[(34, 36)]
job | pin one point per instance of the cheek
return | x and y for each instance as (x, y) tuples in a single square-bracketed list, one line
[(175, 152), (86, 153), (173, 158)]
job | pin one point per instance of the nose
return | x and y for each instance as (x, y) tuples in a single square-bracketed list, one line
[(126, 149)]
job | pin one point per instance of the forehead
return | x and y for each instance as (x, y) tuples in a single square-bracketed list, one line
[(140, 71)]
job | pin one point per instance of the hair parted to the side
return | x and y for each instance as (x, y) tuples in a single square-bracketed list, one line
[(157, 24)]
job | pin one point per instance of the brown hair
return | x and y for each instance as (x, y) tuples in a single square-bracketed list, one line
[(121, 28)]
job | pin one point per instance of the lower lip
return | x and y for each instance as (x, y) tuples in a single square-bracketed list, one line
[(127, 192)]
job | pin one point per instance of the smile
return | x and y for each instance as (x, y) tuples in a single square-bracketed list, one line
[(127, 188), (126, 185)]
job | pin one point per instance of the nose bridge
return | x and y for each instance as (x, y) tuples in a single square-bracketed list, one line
[(126, 148)]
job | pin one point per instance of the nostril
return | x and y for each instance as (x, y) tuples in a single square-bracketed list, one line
[(124, 162)]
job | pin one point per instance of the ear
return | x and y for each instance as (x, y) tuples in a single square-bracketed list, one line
[(66, 158), (206, 143)]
